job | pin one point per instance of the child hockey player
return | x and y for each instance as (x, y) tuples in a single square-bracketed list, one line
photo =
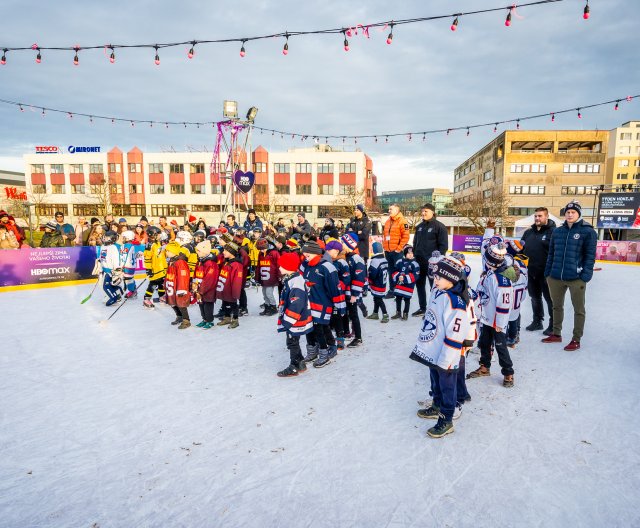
[(358, 273), (243, 254), (520, 284), (112, 267), (444, 329), (185, 239), (230, 283), (404, 278), (205, 283), (495, 293), (267, 275), (322, 279), (378, 273), (294, 314), (129, 259), (176, 284), (340, 322), (155, 262)]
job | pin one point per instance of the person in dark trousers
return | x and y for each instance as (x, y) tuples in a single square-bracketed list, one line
[(572, 254), (536, 241), (395, 237), (361, 226), (431, 235)]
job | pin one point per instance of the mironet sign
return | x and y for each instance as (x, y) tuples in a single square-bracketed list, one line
[(76, 150)]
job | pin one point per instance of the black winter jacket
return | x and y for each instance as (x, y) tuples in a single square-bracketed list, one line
[(430, 236), (362, 228), (536, 246)]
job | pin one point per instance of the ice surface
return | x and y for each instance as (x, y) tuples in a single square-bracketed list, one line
[(136, 424)]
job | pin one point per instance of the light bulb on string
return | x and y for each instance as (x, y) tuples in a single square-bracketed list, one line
[(553, 117), (3, 60), (410, 138), (376, 138), (587, 12), (242, 50), (150, 124), (346, 42), (43, 112), (629, 98), (390, 37), (285, 49), (386, 139), (38, 56), (113, 122), (495, 128), (517, 124), (424, 136), (76, 60), (70, 115), (579, 113), (507, 22), (90, 119), (448, 131), (454, 25), (166, 125), (21, 109), (191, 52), (133, 124), (157, 57), (468, 132), (617, 105), (112, 57)]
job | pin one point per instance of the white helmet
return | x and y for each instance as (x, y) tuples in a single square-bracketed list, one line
[(184, 237), (128, 235), (163, 237)]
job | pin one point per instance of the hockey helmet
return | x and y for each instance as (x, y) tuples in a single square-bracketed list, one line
[(109, 238), (128, 235), (184, 237)]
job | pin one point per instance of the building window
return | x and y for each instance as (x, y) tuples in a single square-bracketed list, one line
[(85, 209), (487, 176), (260, 188), (77, 169), (588, 168), (325, 168), (348, 168), (156, 189), (293, 208), (176, 189), (623, 163), (38, 188), (115, 167), (205, 208), (282, 189), (115, 188), (198, 189), (621, 176), (167, 210), (334, 211), (625, 135), (487, 193), (325, 189), (578, 189), (521, 211), (50, 209), (636, 163), (219, 188), (473, 166), (37, 168), (176, 168), (624, 150), (259, 167), (526, 189), (135, 167), (281, 168), (135, 188), (77, 189), (528, 167), (303, 189), (57, 189), (303, 168), (96, 168), (95, 189), (128, 210), (197, 168), (347, 189), (57, 169), (156, 168)]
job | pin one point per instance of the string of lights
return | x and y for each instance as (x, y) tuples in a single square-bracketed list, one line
[(346, 32), (517, 122)]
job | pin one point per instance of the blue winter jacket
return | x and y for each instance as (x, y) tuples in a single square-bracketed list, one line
[(572, 252)]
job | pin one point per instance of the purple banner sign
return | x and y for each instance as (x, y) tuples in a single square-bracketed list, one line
[(468, 243)]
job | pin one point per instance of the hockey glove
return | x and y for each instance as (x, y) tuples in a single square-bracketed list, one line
[(97, 268), (116, 276)]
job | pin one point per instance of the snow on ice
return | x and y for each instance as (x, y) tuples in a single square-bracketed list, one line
[(137, 424)]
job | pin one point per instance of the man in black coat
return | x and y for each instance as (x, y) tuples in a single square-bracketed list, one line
[(536, 246), (430, 235), (303, 227), (360, 224)]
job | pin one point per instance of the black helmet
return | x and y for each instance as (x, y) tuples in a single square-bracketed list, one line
[(109, 238), (153, 232)]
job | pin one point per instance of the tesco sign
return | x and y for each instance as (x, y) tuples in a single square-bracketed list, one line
[(43, 149)]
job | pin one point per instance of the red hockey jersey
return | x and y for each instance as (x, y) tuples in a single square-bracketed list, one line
[(176, 283), (230, 281), (267, 272), (206, 278)]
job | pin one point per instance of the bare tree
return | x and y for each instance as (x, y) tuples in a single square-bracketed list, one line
[(480, 209), (412, 210), (273, 210), (100, 195), (38, 199)]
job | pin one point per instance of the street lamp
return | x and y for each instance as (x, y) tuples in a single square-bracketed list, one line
[(251, 114), (230, 109)]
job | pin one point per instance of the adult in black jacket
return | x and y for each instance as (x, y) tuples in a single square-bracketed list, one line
[(361, 226), (536, 241), (329, 230), (430, 235), (303, 227)]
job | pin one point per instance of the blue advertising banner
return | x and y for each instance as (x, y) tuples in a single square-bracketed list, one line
[(619, 211)]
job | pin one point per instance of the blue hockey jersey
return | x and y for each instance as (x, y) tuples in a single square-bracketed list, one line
[(294, 312), (405, 276), (358, 272), (344, 278), (378, 275), (325, 296)]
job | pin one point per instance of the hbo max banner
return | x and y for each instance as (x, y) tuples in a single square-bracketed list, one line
[(44, 265)]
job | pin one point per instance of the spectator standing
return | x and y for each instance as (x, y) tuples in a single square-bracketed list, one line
[(303, 227), (340, 227), (8, 239), (328, 230), (82, 231), (52, 236), (5, 220), (572, 254), (252, 221), (109, 223), (536, 242), (65, 229), (361, 226), (395, 237), (95, 235), (431, 235)]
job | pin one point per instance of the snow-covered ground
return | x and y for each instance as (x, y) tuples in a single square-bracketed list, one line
[(137, 424)]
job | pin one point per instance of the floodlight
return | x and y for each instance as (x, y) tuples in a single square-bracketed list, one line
[(230, 109), (251, 114)]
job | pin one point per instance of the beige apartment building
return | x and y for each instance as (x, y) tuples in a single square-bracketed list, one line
[(536, 168), (623, 162)]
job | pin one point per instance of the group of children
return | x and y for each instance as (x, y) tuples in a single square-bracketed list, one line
[(320, 285)]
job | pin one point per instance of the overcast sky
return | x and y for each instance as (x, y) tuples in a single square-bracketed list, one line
[(429, 78)]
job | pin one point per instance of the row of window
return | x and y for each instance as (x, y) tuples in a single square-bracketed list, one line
[(465, 171), (321, 189), (625, 163), (526, 189), (589, 168), (628, 150), (625, 176), (578, 189), (629, 135), (528, 167), (465, 185)]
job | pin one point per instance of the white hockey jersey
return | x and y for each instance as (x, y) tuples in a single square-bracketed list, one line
[(110, 258), (519, 293), (495, 295), (444, 328)]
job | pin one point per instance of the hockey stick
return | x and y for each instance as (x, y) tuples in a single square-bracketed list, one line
[(125, 301), (94, 289)]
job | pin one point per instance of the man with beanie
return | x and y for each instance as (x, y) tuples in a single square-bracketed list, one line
[(360, 224), (431, 235), (572, 254), (252, 222), (395, 237), (303, 227)]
